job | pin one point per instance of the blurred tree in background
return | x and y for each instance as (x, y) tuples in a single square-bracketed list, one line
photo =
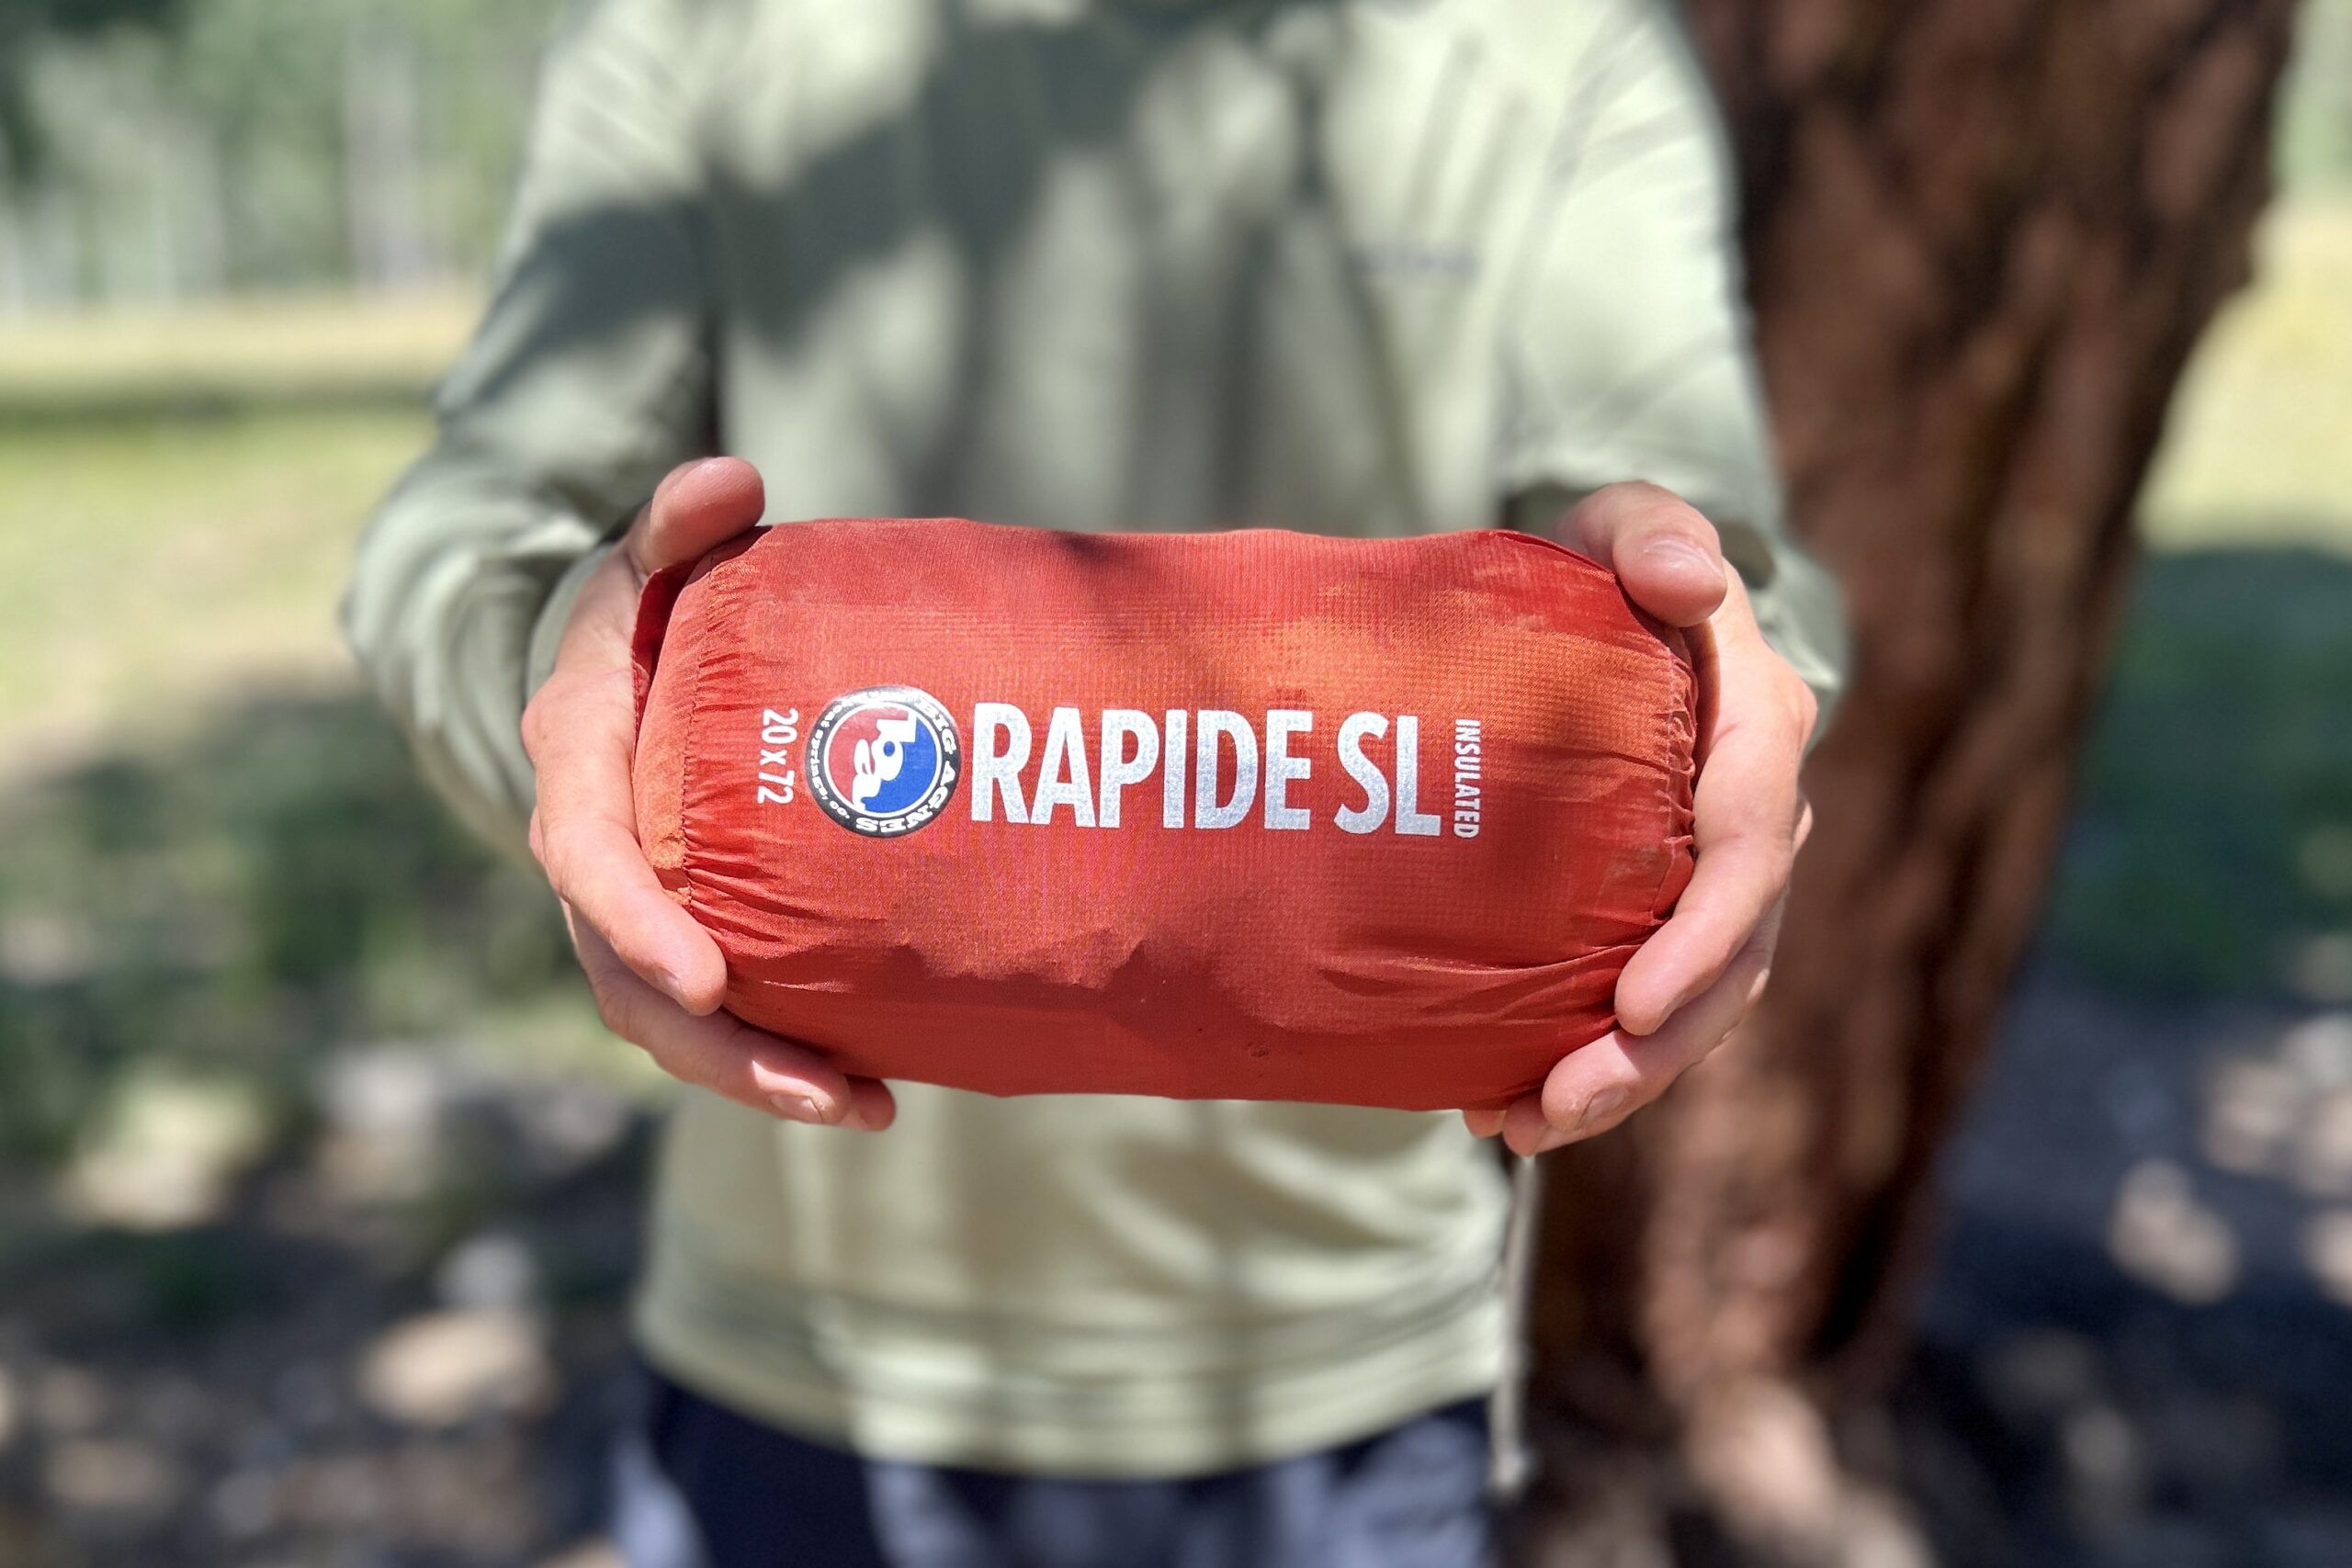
[(1983, 237), (2316, 112), (169, 150), (164, 149), (27, 24)]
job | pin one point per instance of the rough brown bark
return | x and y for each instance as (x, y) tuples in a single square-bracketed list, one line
[(1982, 235)]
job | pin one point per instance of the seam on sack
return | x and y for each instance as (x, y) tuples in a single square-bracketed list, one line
[(1681, 723), (691, 750), (1680, 719)]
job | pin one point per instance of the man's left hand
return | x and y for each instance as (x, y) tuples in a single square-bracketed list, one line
[(1700, 973)]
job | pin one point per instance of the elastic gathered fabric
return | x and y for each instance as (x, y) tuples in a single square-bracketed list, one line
[(1251, 815)]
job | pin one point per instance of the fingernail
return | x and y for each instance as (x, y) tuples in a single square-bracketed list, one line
[(792, 1095), (1598, 1109), (1666, 1015)]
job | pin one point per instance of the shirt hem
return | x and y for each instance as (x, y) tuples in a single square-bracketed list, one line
[(1176, 1431)]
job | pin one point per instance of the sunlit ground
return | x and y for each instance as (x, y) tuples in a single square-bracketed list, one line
[(316, 1179), (2261, 452)]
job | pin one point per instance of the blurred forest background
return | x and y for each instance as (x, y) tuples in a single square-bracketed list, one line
[(317, 1180)]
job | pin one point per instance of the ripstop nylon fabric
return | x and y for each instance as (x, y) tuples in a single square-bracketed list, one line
[(1251, 815)]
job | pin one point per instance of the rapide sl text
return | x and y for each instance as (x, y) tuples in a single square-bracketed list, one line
[(1132, 745)]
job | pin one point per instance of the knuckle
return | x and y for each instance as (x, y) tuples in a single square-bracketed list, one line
[(1587, 1106), (1658, 509), (546, 721), (558, 859), (1640, 493), (1807, 707), (1631, 508), (616, 1011), (1601, 1116), (1700, 1051), (736, 1037), (680, 1066), (542, 721)]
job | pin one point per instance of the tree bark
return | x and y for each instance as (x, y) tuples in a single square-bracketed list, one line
[(1981, 237)]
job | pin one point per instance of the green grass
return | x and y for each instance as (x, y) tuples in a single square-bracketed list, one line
[(220, 864), (2210, 851), (2212, 847), (148, 566), (179, 497)]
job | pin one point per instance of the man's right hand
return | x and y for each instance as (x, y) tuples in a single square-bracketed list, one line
[(659, 979)]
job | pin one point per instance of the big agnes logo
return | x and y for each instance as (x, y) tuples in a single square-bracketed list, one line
[(884, 761)]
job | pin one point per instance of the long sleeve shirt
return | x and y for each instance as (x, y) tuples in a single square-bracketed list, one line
[(1359, 266)]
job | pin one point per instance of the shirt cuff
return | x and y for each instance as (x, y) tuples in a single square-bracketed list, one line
[(547, 632)]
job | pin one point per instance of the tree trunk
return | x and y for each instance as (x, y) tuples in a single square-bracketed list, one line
[(1981, 237)]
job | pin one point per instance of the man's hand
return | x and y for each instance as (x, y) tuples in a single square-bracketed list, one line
[(658, 977), (1700, 973)]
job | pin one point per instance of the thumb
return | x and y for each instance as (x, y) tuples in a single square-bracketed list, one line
[(698, 507), (1666, 555)]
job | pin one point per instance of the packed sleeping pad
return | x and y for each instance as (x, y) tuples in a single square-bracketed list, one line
[(1250, 814)]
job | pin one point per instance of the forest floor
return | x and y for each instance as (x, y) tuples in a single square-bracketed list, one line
[(319, 1185)]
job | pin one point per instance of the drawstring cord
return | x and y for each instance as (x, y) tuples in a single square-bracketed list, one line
[(1511, 1465)]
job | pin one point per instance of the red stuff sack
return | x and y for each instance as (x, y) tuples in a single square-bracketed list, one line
[(1255, 815)]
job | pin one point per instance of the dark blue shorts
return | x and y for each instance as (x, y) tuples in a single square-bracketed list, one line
[(700, 1486)]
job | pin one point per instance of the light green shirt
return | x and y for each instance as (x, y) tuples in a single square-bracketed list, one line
[(1364, 266)]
